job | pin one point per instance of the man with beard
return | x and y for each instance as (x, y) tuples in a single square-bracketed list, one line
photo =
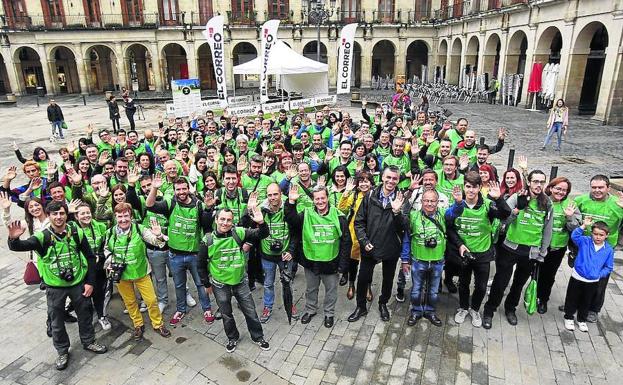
[(187, 219), (282, 121), (231, 196), (482, 157), (344, 159), (383, 146), (468, 145), (121, 172), (254, 180), (319, 127), (455, 135)]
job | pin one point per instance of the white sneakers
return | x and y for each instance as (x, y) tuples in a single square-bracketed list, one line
[(161, 306), (461, 314), (104, 323), (569, 324), (190, 301), (583, 327)]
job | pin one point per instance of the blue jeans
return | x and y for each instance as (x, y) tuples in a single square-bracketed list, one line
[(270, 269), (556, 128), (180, 263), (426, 277), (57, 124)]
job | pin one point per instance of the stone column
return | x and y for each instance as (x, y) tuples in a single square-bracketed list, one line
[(400, 58), (608, 74), (45, 68), (191, 59), (122, 73), (332, 52), (81, 66), (12, 73), (366, 64), (155, 66)]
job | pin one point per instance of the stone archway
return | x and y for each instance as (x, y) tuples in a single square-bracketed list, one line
[(310, 51), (206, 67), (175, 63), (383, 55), (417, 61), (516, 58), (491, 57), (103, 72), (549, 46), (586, 68), (454, 70), (28, 65), (65, 71), (5, 84), (356, 72), (442, 59), (472, 53), (140, 68), (242, 53)]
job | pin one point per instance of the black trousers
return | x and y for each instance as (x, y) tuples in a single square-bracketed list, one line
[(547, 273), (366, 270), (480, 271), (579, 296), (504, 264), (130, 115), (56, 297), (115, 125), (597, 302), (254, 266), (351, 273), (452, 269), (99, 289)]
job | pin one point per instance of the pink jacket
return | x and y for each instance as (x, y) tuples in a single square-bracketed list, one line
[(565, 117)]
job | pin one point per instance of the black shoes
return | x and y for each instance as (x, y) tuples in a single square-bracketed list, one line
[(62, 361), (541, 308), (384, 312), (432, 317), (486, 321), (358, 313), (400, 295), (511, 317), (451, 286), (343, 280), (231, 346), (263, 344), (328, 322), (96, 348), (413, 318), (306, 318)]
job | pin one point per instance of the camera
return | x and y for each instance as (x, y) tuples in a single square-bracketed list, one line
[(66, 274), (467, 258), (276, 246), (431, 243), (116, 271)]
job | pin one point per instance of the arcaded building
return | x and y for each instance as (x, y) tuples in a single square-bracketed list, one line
[(91, 46)]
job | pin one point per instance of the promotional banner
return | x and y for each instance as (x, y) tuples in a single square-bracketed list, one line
[(269, 39), (216, 40), (186, 96), (345, 58)]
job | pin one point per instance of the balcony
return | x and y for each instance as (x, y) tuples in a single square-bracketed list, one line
[(284, 17), (242, 18), (386, 16), (75, 22), (172, 19), (454, 11), (199, 18), (347, 17), (418, 16)]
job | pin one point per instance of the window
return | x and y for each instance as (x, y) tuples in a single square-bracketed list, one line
[(205, 11), (92, 11), (351, 10), (132, 12), (422, 9), (278, 9), (241, 10), (53, 12), (16, 13), (169, 12), (386, 10)]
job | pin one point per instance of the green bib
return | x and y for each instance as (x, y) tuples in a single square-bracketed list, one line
[(184, 230), (227, 261), (129, 249), (236, 205), (445, 186), (321, 235), (279, 231), (607, 211), (423, 229), (61, 253), (454, 136), (95, 234), (404, 165), (260, 185), (527, 229), (474, 227), (560, 235), (470, 152)]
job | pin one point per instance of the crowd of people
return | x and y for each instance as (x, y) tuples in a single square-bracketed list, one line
[(229, 201)]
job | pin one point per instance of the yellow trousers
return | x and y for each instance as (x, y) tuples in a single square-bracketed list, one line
[(146, 288)]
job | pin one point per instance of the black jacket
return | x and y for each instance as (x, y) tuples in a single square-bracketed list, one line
[(378, 226), (295, 220), (55, 113)]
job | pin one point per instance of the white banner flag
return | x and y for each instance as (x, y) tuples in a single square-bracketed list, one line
[(345, 58), (216, 40), (269, 39)]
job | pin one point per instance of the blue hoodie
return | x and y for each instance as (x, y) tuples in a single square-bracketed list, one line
[(589, 263)]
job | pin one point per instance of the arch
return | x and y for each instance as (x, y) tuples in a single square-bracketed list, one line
[(64, 70), (5, 84), (516, 60), (442, 59), (140, 67), (28, 64), (457, 46), (176, 63), (206, 67), (242, 53), (383, 55), (310, 51), (103, 72), (443, 47), (491, 57), (417, 60), (454, 70), (491, 45), (586, 68), (548, 46), (473, 46), (101, 45)]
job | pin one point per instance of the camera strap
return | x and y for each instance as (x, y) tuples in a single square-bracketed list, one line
[(49, 243), (435, 222)]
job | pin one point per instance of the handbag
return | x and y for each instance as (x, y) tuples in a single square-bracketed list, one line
[(530, 294), (31, 274), (64, 125)]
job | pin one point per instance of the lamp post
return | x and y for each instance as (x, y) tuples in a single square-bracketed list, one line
[(318, 14)]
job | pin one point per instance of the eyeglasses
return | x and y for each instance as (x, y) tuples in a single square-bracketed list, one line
[(429, 200), (537, 181), (559, 189)]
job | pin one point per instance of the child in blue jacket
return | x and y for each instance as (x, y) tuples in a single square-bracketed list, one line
[(595, 260)]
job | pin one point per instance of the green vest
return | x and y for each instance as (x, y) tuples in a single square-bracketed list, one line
[(227, 261), (147, 215), (334, 163), (95, 235), (304, 201), (260, 185), (403, 163), (321, 235), (61, 254), (527, 229), (129, 249), (236, 205), (474, 227), (383, 152), (454, 137), (607, 211), (423, 229), (279, 231), (445, 186), (184, 229), (470, 152), (560, 234)]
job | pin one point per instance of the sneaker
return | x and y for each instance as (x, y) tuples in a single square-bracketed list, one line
[(190, 301), (137, 335), (231, 346), (295, 313), (163, 331), (208, 316), (266, 313), (177, 317), (400, 296), (62, 361), (161, 306), (569, 324), (263, 344), (125, 311), (96, 348), (475, 316), (142, 307), (591, 317), (104, 323), (460, 315), (583, 327)]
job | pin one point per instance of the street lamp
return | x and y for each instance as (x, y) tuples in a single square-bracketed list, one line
[(318, 14)]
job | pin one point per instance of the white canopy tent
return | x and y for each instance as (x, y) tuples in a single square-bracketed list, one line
[(295, 72)]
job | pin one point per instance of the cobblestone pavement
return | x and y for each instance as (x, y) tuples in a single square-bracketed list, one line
[(537, 351)]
